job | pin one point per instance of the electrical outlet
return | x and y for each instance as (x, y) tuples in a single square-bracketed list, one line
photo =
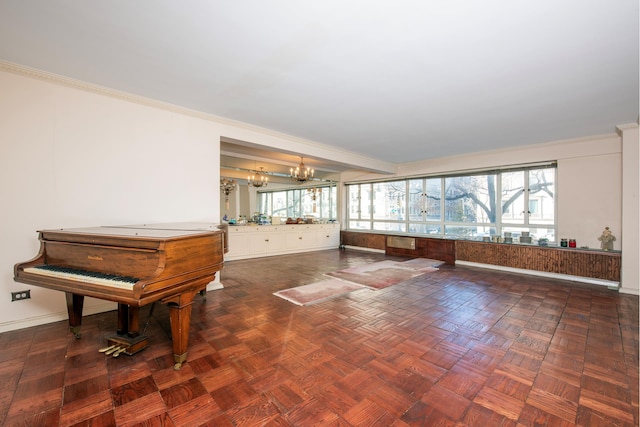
[(18, 296)]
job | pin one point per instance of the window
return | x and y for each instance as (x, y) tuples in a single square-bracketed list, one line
[(468, 206), (535, 189), (299, 202)]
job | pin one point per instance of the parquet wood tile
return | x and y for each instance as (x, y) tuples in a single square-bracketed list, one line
[(458, 347), (368, 413), (501, 403), (147, 407), (462, 382), (557, 405), (89, 407), (194, 411)]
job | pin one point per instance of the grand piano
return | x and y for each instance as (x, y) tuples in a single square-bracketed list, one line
[(132, 265)]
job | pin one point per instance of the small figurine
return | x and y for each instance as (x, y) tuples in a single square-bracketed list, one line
[(606, 240)]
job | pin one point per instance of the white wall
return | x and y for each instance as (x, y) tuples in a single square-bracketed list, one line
[(630, 208), (72, 158)]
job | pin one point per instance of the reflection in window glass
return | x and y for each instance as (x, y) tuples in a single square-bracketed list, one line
[(424, 229), (278, 205), (469, 231), (389, 226), (359, 225), (326, 203), (265, 202), (459, 230), (365, 208), (389, 200), (299, 202), (354, 201), (294, 210)]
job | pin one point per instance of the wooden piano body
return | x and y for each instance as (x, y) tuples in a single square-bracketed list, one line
[(134, 266)]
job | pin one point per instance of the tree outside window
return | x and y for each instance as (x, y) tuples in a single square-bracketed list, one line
[(471, 206)]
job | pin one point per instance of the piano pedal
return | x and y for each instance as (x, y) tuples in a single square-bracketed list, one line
[(112, 350), (117, 345), (105, 349), (119, 351)]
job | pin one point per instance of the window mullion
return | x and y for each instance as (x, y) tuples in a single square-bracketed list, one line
[(498, 220)]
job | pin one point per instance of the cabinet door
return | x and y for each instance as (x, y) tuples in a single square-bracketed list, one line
[(277, 242), (309, 240), (293, 240), (328, 238), (258, 242), (238, 245)]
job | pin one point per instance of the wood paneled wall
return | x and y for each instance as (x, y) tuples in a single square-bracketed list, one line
[(574, 262), (363, 240), (441, 249)]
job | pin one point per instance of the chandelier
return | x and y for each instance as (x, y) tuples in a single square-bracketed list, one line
[(258, 179), (314, 192), (301, 173), (227, 186)]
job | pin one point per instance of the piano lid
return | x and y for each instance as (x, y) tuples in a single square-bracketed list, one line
[(185, 226), (127, 236), (155, 233)]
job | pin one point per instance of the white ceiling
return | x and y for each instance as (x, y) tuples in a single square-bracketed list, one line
[(396, 81)]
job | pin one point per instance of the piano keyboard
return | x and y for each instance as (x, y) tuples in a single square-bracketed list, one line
[(83, 276)]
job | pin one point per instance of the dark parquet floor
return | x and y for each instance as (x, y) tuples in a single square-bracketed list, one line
[(457, 347)]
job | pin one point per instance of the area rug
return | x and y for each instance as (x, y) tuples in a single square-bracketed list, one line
[(380, 275), (318, 292)]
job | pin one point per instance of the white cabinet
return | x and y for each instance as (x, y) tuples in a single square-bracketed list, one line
[(300, 236), (264, 240), (328, 238), (238, 242), (276, 242)]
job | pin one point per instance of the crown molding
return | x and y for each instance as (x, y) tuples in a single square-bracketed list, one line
[(101, 90), (307, 146)]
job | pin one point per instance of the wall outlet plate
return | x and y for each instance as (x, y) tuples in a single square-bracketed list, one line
[(18, 296)]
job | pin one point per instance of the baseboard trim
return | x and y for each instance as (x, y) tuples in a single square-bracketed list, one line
[(215, 285), (360, 248), (55, 317), (100, 307), (600, 282)]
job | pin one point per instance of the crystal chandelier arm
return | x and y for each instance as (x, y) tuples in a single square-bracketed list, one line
[(301, 173)]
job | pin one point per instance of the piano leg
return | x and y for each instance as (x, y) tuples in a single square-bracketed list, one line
[(127, 339), (123, 319), (128, 320), (180, 317), (74, 308)]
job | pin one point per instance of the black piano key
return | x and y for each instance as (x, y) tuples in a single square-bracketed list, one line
[(78, 272)]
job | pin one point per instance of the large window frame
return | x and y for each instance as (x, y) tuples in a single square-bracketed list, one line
[(317, 202), (472, 205)]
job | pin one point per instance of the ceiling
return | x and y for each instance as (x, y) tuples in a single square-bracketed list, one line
[(394, 81)]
